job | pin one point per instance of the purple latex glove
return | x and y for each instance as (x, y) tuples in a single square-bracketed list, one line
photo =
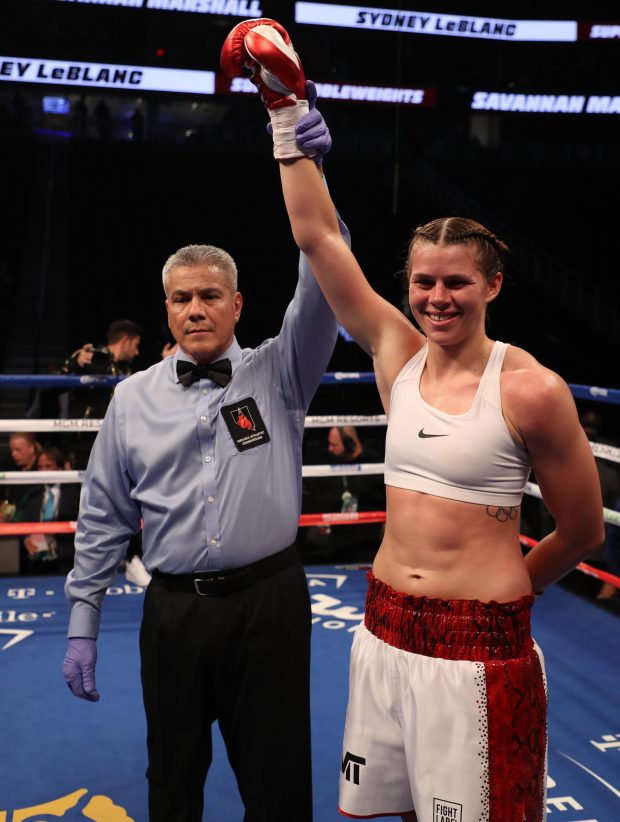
[(78, 668), (311, 131)]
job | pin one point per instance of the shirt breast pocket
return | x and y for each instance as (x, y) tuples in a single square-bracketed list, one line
[(245, 425)]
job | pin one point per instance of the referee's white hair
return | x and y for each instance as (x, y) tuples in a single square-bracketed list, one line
[(195, 255)]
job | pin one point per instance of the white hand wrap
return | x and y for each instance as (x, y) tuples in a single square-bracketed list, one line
[(283, 122)]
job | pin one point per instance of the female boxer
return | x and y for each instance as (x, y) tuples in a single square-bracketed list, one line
[(447, 704)]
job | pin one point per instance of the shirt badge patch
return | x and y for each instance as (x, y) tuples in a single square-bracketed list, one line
[(245, 424)]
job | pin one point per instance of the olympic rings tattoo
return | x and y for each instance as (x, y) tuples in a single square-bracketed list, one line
[(502, 514)]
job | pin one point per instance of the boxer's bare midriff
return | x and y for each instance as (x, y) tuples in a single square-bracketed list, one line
[(446, 549)]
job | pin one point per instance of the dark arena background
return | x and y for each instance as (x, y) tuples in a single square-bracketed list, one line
[(120, 141)]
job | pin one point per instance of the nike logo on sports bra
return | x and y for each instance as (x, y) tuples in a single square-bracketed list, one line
[(424, 436)]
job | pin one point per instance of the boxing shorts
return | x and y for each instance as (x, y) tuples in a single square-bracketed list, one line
[(447, 711)]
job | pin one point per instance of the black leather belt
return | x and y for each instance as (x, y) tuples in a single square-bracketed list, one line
[(217, 583)]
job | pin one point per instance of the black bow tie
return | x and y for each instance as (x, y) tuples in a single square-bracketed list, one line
[(220, 372)]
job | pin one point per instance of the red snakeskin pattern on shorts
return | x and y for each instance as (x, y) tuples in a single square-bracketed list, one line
[(449, 628), (516, 710)]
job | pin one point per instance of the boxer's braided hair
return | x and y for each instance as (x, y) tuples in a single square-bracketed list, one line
[(457, 230)]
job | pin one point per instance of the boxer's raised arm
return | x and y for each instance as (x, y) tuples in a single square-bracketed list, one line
[(262, 50)]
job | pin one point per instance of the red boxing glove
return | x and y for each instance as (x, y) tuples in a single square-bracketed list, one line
[(262, 50)]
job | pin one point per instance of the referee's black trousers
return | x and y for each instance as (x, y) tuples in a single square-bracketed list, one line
[(243, 659)]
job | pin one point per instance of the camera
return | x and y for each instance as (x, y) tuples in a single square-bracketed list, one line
[(101, 357)]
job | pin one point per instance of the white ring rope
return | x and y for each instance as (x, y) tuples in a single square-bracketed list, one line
[(58, 426), (605, 452), (599, 449), (342, 469), (326, 421), (40, 477), (91, 424)]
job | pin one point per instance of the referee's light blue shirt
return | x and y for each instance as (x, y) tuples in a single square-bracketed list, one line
[(166, 455)]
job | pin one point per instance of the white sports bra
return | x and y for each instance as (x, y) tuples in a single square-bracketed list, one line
[(469, 457)]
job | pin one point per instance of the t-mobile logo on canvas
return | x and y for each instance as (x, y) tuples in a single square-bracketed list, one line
[(444, 811)]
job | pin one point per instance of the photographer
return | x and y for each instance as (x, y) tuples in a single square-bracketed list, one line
[(114, 359)]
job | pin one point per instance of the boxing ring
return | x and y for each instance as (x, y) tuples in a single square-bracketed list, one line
[(69, 759)]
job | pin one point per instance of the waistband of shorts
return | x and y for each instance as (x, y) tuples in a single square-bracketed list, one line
[(450, 629), (228, 580)]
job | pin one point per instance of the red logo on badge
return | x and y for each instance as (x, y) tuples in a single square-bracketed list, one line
[(243, 418)]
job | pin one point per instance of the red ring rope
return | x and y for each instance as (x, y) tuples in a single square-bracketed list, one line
[(25, 528)]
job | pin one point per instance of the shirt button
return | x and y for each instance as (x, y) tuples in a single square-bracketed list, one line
[(213, 542), (205, 390), (203, 419), (210, 499), (207, 459)]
